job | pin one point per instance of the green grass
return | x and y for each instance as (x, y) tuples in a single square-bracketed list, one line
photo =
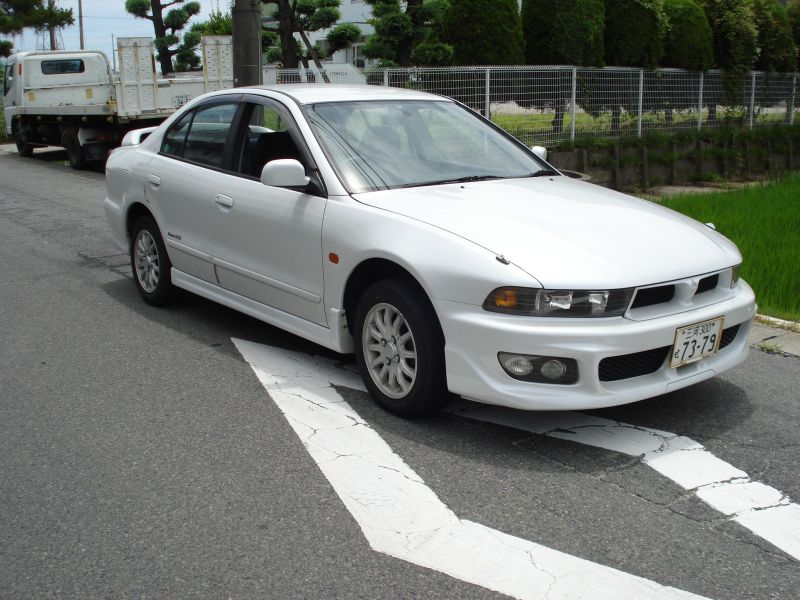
[(764, 221)]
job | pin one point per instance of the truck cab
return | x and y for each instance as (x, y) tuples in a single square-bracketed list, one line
[(59, 99)]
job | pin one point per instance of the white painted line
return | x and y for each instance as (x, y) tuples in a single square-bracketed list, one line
[(400, 515), (762, 509)]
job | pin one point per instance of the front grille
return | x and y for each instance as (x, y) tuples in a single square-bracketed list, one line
[(626, 366), (615, 368), (653, 295), (707, 284), (728, 335)]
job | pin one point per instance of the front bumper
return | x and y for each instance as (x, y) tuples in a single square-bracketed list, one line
[(475, 336)]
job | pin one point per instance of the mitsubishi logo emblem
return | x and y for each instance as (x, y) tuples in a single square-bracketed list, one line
[(694, 284)]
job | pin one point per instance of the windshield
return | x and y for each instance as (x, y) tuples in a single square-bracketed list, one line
[(378, 145)]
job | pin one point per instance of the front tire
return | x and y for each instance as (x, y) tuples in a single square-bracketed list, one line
[(23, 149), (150, 263), (400, 349)]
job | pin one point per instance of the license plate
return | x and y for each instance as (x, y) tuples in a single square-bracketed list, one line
[(694, 342)]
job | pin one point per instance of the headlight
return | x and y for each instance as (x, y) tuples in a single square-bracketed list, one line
[(735, 274), (558, 303)]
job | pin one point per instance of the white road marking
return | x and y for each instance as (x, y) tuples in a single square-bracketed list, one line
[(400, 515), (762, 509)]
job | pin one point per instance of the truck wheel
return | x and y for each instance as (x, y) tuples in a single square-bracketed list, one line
[(23, 149), (77, 160)]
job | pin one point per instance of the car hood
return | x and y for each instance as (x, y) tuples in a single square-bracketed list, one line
[(567, 233)]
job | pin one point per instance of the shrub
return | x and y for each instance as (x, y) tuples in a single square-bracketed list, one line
[(689, 41), (484, 32), (635, 33), (567, 32)]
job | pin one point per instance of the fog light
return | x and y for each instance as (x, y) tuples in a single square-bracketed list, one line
[(553, 369), (517, 365), (539, 369)]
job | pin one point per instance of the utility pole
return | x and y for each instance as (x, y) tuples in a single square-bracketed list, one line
[(51, 5), (246, 42), (80, 21)]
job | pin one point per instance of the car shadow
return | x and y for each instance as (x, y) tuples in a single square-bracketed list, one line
[(703, 411)]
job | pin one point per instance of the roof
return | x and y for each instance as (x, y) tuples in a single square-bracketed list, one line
[(309, 93)]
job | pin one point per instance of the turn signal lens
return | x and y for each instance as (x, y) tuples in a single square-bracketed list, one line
[(505, 298)]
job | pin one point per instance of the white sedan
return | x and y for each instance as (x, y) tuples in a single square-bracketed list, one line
[(448, 256)]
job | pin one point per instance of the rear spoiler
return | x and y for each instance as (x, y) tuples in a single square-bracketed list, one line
[(137, 136)]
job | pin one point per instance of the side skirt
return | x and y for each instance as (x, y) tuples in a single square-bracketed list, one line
[(337, 339)]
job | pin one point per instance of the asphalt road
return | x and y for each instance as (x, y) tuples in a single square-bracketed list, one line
[(140, 457)]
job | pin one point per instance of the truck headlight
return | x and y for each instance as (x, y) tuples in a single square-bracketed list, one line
[(558, 303)]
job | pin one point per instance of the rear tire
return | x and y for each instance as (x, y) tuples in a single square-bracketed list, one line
[(72, 144), (150, 263), (400, 349)]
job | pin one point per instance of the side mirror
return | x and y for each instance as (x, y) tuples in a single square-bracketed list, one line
[(284, 172), (540, 151)]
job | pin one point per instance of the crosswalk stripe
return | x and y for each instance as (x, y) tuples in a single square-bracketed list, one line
[(401, 516)]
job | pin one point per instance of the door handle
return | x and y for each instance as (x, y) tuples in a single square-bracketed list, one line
[(154, 180), (224, 200)]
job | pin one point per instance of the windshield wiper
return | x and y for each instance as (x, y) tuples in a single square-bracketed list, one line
[(466, 179), (545, 173)]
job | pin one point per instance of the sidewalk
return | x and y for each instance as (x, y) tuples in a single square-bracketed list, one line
[(773, 335)]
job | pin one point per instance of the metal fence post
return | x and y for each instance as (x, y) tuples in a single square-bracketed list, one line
[(574, 102), (486, 98), (752, 98), (792, 100), (641, 102), (700, 104), (386, 77)]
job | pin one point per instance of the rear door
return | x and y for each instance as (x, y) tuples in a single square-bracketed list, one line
[(185, 179)]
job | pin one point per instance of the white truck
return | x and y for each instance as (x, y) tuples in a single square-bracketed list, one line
[(73, 99)]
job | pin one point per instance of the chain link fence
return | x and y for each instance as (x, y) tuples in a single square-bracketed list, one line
[(547, 105)]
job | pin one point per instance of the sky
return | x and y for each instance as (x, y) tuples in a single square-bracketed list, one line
[(101, 19)]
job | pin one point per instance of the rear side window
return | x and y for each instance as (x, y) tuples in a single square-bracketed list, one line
[(63, 66), (175, 138), (204, 142)]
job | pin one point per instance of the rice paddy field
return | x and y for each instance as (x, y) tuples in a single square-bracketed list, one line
[(764, 221)]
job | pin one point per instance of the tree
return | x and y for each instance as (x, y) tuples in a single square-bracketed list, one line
[(794, 19), (166, 27), (16, 15), (219, 23), (484, 32), (302, 17), (689, 40), (635, 33), (568, 32), (409, 33), (777, 51)]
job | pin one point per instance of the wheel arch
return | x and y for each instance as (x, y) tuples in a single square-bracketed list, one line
[(136, 211), (370, 271)]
